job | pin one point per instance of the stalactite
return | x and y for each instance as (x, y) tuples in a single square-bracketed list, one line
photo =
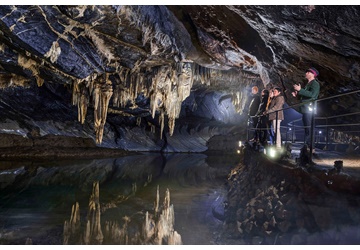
[(122, 92), (138, 121), (153, 130), (238, 101), (75, 93), (80, 98), (166, 87), (97, 109), (12, 80), (83, 105), (101, 98), (162, 122), (28, 63)]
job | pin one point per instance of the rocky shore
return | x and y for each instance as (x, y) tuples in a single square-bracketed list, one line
[(276, 202)]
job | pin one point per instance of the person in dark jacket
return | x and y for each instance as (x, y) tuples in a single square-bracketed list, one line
[(253, 108), (270, 129), (306, 95), (276, 103), (261, 127)]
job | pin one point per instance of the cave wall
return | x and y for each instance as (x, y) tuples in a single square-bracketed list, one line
[(143, 63)]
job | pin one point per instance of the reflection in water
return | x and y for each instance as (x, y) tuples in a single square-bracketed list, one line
[(157, 228), (37, 198)]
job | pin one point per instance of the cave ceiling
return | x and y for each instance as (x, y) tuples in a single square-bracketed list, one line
[(145, 61)]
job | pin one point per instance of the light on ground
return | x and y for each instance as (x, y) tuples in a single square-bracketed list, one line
[(272, 152)]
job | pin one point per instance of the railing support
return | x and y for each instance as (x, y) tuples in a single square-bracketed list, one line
[(327, 135), (276, 128), (312, 130)]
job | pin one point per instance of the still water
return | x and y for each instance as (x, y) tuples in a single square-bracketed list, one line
[(36, 198)]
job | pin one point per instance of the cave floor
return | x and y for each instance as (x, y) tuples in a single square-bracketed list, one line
[(326, 158)]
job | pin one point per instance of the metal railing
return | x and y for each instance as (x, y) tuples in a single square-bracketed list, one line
[(313, 118)]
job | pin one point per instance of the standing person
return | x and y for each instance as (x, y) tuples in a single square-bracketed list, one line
[(253, 108), (276, 103), (270, 129), (306, 95), (261, 127)]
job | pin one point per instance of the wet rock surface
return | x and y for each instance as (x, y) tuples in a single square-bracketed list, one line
[(272, 203)]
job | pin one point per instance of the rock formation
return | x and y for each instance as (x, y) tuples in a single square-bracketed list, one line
[(148, 71)]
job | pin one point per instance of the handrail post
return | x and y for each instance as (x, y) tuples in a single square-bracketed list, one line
[(247, 129), (327, 135), (312, 129), (276, 128)]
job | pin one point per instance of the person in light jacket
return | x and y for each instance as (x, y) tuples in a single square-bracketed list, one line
[(276, 103)]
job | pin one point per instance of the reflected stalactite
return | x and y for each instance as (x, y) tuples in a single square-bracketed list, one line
[(157, 201), (93, 233), (156, 228), (116, 234), (72, 227), (164, 227)]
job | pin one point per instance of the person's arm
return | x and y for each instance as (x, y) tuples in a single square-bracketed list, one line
[(313, 92)]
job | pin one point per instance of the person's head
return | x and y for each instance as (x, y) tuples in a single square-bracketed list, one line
[(254, 90), (277, 91), (311, 73), (264, 92), (271, 93)]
